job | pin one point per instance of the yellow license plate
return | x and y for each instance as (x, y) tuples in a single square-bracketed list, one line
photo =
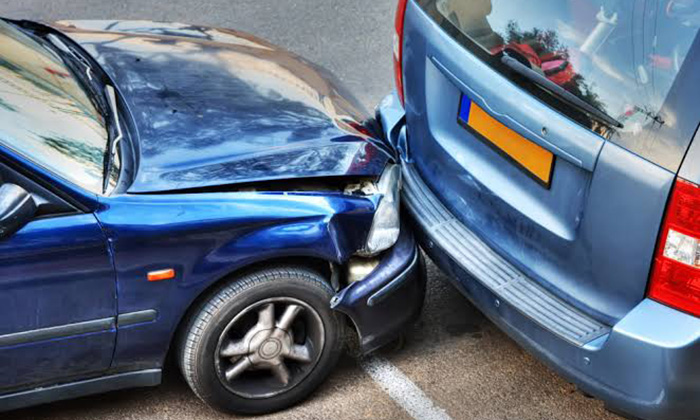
[(532, 158)]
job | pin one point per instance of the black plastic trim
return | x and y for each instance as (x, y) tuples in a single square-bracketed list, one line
[(143, 378), (42, 334), (393, 285), (138, 317)]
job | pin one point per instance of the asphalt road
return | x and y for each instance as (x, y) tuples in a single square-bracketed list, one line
[(457, 363)]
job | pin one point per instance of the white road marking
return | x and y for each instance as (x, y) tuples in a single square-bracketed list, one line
[(402, 390)]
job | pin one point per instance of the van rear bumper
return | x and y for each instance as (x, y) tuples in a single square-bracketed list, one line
[(646, 366)]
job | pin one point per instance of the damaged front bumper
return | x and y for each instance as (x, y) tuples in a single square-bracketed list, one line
[(391, 297)]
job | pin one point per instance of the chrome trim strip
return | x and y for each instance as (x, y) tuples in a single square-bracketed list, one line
[(42, 334)]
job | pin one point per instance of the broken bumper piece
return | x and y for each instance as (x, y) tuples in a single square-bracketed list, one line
[(391, 297)]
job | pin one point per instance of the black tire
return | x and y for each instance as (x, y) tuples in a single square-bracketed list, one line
[(203, 361)]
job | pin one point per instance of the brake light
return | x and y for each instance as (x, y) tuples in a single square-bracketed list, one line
[(675, 276), (398, 47)]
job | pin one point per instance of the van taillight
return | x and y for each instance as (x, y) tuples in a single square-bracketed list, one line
[(675, 276), (398, 47)]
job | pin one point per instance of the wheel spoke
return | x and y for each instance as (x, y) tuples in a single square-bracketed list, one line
[(300, 353), (281, 373), (234, 348), (238, 368), (288, 317), (266, 317)]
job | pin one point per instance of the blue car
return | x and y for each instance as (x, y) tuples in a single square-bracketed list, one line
[(174, 189), (550, 168)]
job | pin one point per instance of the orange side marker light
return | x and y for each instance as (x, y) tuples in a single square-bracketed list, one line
[(158, 275)]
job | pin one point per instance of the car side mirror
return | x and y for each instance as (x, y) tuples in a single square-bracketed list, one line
[(17, 208)]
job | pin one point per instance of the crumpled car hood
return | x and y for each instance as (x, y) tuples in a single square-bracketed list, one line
[(213, 107)]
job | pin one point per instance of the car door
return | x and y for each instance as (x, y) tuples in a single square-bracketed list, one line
[(57, 295)]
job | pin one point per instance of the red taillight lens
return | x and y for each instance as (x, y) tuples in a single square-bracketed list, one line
[(675, 277), (398, 47)]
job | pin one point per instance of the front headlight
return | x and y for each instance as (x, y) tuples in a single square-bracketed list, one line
[(386, 224)]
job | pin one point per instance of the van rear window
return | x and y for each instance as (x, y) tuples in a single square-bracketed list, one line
[(619, 56)]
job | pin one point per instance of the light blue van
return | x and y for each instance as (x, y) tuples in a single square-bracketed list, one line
[(550, 169)]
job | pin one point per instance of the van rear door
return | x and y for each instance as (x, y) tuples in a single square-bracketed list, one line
[(554, 130)]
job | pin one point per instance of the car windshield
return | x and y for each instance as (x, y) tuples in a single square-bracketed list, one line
[(619, 56), (45, 115)]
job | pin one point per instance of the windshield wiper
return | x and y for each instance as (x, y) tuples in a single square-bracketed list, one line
[(558, 91), (114, 141), (83, 71), (99, 91), (58, 43)]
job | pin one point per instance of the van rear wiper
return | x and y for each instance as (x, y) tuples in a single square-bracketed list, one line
[(559, 91)]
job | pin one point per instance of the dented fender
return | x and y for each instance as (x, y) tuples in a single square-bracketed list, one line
[(207, 237), (391, 297)]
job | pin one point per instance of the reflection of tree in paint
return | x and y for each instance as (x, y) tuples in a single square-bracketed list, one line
[(6, 106), (91, 156), (212, 109), (73, 106), (45, 115), (542, 42), (542, 50), (31, 78), (315, 159)]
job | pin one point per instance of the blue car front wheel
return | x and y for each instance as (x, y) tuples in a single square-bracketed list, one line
[(262, 342)]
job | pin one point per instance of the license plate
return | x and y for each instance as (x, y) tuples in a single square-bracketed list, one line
[(533, 159)]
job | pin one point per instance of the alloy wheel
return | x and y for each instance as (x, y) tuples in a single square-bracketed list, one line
[(269, 347)]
